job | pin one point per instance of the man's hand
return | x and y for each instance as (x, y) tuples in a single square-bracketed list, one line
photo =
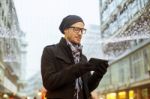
[(99, 64)]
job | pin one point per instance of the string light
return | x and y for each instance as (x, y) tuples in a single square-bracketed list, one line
[(137, 31)]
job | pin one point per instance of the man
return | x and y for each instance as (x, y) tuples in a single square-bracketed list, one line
[(65, 70)]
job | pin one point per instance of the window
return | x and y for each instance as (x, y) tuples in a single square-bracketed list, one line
[(121, 75), (1, 74), (146, 54), (2, 14), (137, 65), (0, 4), (8, 25), (6, 1)]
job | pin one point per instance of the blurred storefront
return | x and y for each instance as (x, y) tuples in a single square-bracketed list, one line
[(135, 93)]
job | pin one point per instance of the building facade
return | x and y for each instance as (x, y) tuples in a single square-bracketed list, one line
[(10, 48), (125, 28)]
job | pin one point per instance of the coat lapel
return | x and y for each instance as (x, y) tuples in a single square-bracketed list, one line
[(63, 51)]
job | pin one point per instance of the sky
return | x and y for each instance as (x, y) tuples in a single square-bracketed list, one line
[(40, 20)]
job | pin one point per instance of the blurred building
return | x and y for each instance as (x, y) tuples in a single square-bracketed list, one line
[(91, 46), (11, 43), (33, 86), (125, 30), (22, 80)]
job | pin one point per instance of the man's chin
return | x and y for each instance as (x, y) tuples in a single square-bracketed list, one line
[(76, 42)]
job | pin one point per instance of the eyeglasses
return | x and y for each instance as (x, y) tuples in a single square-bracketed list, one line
[(78, 30)]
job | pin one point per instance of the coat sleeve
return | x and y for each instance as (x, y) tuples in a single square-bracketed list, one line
[(53, 79), (94, 80)]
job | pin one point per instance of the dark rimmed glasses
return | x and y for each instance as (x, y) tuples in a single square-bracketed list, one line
[(78, 30)]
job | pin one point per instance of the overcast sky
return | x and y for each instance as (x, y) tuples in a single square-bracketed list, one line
[(40, 20)]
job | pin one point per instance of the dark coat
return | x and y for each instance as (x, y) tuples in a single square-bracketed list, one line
[(58, 74)]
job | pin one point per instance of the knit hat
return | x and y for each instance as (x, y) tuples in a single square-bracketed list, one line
[(68, 21)]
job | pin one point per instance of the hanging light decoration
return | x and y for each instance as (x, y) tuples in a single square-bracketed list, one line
[(138, 30)]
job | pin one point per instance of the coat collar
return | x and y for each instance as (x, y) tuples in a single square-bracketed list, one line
[(64, 52)]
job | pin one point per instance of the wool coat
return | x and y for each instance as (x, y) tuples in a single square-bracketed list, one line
[(59, 72)]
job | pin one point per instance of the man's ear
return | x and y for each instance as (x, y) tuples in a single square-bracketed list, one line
[(65, 31)]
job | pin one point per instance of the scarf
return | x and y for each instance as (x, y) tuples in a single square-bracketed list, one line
[(76, 52)]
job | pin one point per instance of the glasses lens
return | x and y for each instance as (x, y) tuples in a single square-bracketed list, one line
[(77, 30)]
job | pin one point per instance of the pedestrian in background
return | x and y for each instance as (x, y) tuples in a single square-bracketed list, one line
[(66, 72)]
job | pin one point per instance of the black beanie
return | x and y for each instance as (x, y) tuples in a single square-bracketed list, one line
[(68, 21)]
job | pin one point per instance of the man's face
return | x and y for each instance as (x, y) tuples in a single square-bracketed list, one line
[(75, 32)]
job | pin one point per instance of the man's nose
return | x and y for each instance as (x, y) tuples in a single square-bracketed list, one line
[(80, 32)]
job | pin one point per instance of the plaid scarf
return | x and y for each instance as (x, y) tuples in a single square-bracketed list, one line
[(76, 52)]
